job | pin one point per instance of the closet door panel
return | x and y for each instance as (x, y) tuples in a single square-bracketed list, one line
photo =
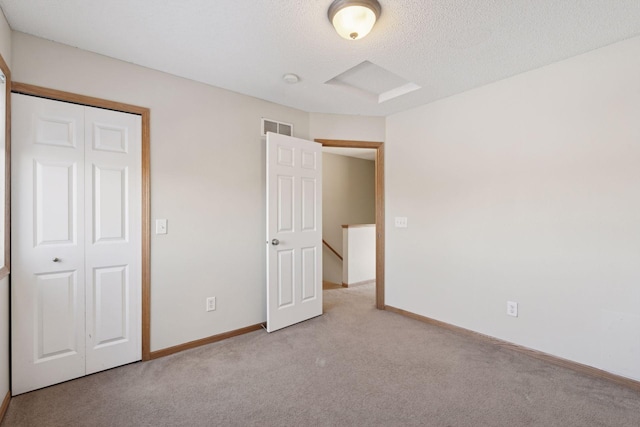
[(47, 242), (112, 242)]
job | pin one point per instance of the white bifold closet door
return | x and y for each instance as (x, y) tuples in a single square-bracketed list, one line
[(76, 241)]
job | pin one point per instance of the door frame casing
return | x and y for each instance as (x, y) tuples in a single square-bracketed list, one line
[(5, 264), (145, 113), (379, 205)]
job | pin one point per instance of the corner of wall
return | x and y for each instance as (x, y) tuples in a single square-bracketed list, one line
[(6, 38)]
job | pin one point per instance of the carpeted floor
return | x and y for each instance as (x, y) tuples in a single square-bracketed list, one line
[(354, 365), (330, 285)]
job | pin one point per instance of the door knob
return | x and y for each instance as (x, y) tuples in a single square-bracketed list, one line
[(275, 242), (56, 259)]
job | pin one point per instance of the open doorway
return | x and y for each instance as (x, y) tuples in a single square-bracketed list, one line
[(375, 150)]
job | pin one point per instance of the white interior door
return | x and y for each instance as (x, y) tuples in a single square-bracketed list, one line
[(47, 243), (294, 230), (75, 241)]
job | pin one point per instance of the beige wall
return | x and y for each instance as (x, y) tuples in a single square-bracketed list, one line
[(207, 179), (526, 190), (348, 197), (355, 128), (5, 51), (359, 252)]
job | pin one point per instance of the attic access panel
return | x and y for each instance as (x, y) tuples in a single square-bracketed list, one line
[(374, 81)]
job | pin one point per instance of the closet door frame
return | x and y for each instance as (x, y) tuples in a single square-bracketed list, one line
[(145, 113)]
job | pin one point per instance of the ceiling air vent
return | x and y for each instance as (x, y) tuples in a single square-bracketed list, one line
[(269, 125)]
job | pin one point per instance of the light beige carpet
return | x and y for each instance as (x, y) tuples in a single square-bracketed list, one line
[(326, 285), (354, 365)]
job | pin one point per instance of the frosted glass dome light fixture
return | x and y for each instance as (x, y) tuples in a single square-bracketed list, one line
[(354, 19)]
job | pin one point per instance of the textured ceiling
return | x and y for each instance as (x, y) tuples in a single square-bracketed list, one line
[(246, 46)]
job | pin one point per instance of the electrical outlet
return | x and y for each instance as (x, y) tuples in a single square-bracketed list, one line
[(401, 222), (512, 308), (211, 304)]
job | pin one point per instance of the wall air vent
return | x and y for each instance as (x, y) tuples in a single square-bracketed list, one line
[(269, 125)]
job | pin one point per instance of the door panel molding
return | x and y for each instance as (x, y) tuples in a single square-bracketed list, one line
[(379, 196), (145, 113)]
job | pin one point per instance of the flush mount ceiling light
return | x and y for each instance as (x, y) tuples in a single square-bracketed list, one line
[(291, 78), (353, 19)]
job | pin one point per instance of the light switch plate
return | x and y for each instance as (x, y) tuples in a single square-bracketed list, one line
[(211, 304), (401, 222), (161, 226), (512, 308)]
